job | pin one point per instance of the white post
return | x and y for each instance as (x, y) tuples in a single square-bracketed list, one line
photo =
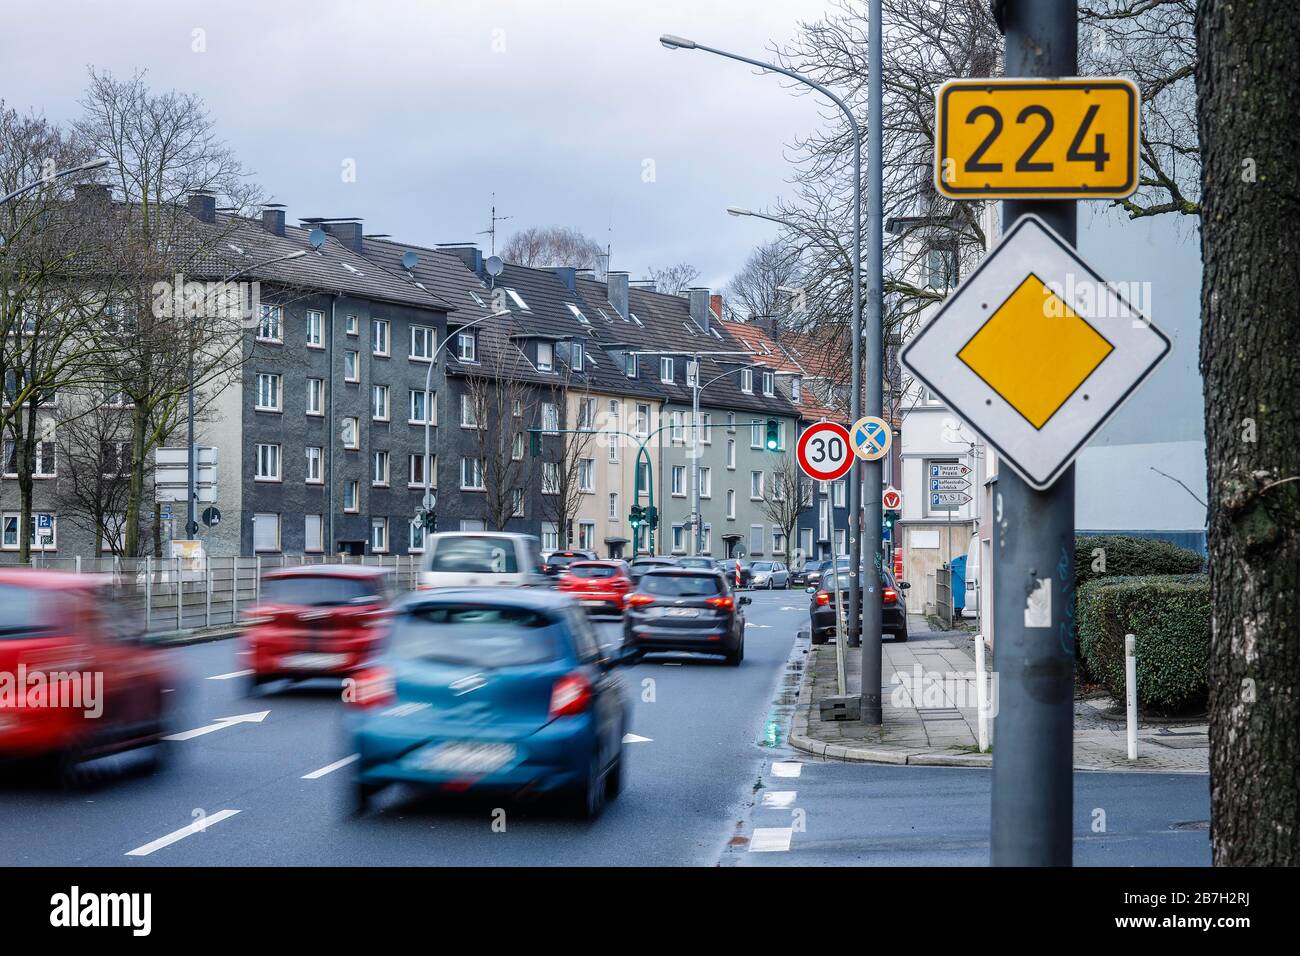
[(78, 563), (148, 591), (180, 597), (981, 695), (257, 583), (1131, 693)]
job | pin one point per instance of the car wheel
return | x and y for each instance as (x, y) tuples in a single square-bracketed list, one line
[(738, 655), (589, 799), (770, 584), (253, 685), (819, 639), (901, 636), (363, 795), (614, 780)]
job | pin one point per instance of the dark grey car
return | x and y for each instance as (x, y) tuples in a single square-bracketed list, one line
[(685, 609)]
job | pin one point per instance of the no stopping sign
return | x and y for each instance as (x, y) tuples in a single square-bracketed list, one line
[(823, 451)]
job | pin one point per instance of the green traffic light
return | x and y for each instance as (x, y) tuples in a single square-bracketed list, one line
[(773, 435)]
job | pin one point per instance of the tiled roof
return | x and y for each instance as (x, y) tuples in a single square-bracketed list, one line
[(758, 339)]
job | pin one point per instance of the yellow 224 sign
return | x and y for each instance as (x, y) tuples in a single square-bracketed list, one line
[(1037, 139)]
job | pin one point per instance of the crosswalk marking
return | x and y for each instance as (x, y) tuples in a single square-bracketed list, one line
[(771, 840), (779, 799), (787, 768)]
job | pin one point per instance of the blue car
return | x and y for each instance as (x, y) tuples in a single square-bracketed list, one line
[(491, 690)]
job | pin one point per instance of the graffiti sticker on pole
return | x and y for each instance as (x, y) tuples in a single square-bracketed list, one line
[(871, 438), (823, 451)]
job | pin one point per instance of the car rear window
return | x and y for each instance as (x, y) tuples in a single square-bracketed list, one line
[(761, 566), (593, 570), (22, 612), (680, 585), (474, 554), (477, 635), (560, 560), (319, 590)]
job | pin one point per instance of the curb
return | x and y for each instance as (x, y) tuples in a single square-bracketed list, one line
[(166, 639)]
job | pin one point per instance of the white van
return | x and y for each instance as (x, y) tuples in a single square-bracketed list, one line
[(454, 559)]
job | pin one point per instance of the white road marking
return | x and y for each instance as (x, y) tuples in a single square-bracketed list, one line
[(637, 739), (221, 723), (198, 826), (771, 839), (787, 768), (330, 768), (671, 663), (230, 676), (779, 799), (788, 608)]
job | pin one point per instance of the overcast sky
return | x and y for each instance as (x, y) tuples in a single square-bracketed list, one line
[(569, 110)]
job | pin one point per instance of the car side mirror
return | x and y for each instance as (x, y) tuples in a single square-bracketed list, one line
[(904, 585), (622, 657), (810, 590), (746, 600)]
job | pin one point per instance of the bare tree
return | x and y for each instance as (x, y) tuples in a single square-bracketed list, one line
[(541, 247), (499, 403), (767, 286), (673, 280), (94, 454), (790, 495)]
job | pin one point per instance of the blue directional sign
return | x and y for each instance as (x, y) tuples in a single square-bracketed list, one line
[(871, 438)]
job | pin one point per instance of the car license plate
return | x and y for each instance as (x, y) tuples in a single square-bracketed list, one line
[(315, 662), (469, 757), (681, 612), (592, 602)]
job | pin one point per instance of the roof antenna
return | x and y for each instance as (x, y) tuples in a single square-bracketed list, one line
[(492, 231)]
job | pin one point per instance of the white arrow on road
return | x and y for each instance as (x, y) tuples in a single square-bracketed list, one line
[(636, 739), (221, 723)]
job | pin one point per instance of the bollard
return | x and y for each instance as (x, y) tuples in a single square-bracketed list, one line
[(1131, 693), (148, 593), (981, 695)]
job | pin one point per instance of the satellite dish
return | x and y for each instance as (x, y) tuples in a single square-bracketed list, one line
[(410, 260), (494, 266), (317, 237)]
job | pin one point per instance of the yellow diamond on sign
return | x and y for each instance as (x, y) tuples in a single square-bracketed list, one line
[(1035, 351)]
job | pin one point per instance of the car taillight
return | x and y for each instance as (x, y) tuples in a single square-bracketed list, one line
[(570, 695), (725, 603), (890, 595), (638, 600), (620, 583), (372, 687), (823, 598)]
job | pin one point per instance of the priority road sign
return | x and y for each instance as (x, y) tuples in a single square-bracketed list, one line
[(1035, 351), (871, 438), (1073, 138), (949, 484), (948, 470), (823, 451), (948, 500), (891, 499)]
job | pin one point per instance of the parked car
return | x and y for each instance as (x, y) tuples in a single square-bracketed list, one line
[(811, 573), (599, 586), (685, 609), (813, 576), (769, 574), (491, 690), (102, 688), (697, 562), (557, 563), (321, 620), (893, 603), (457, 559), (641, 565)]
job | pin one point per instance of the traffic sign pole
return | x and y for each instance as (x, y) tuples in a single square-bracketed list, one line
[(1033, 547)]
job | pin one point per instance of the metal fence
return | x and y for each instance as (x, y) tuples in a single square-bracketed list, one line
[(177, 594), (943, 595)]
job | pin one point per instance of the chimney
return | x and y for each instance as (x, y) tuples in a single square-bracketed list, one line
[(568, 275), (348, 233), (202, 206), (715, 306), (467, 253), (617, 285), (700, 310), (273, 218), (92, 192)]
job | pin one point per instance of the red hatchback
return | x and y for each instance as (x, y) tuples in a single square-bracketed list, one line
[(76, 680), (315, 621), (599, 586)]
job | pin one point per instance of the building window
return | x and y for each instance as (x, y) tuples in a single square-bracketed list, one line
[(545, 357), (351, 325), (550, 417), (666, 370), (629, 364), (517, 447), (643, 479), (114, 457), (587, 413), (313, 537), (940, 268), (731, 454), (613, 506), (379, 337), (268, 392), (379, 469), (643, 420), (417, 538), (796, 389), (315, 322), (675, 433), (417, 472), (706, 429), (756, 539), (269, 326), (517, 500), (268, 463), (550, 478), (315, 396), (466, 347), (471, 474), (351, 366), (518, 299), (756, 435), (778, 491), (417, 407), (350, 432), (313, 465), (266, 532), (679, 539), (352, 496), (706, 544), (379, 402), (731, 422), (577, 356), (468, 412), (422, 343), (550, 536), (379, 535), (706, 482), (755, 486), (747, 381), (587, 535), (587, 475), (731, 503), (778, 541), (679, 481), (769, 384), (838, 491)]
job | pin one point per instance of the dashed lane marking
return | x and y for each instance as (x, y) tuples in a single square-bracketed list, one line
[(230, 676), (787, 768), (330, 768), (771, 840), (637, 739), (198, 826), (779, 799)]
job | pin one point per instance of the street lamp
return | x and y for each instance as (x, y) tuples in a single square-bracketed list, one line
[(71, 171), (428, 502), (191, 477)]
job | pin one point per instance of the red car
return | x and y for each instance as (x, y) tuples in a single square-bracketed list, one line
[(315, 621), (599, 586), (76, 681)]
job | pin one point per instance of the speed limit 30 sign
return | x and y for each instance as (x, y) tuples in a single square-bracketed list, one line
[(823, 451)]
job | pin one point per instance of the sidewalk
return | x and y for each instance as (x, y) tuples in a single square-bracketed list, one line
[(940, 730)]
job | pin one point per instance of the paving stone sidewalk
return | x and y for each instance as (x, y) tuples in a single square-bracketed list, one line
[(928, 694)]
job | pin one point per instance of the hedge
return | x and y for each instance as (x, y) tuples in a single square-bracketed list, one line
[(1170, 617), (1126, 556)]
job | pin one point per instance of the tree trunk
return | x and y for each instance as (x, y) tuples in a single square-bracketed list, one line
[(1248, 72), (135, 488), (25, 453)]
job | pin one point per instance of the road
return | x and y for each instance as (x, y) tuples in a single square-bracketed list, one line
[(269, 788)]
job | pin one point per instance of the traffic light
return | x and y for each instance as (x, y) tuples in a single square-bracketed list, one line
[(534, 442), (636, 517), (652, 517), (773, 434)]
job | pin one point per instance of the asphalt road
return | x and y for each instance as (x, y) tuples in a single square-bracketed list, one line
[(272, 791)]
